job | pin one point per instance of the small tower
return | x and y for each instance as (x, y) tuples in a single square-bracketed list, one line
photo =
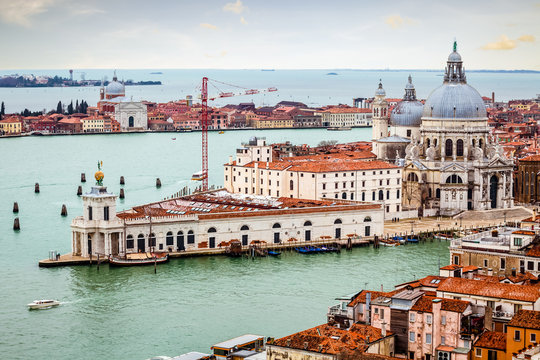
[(380, 114)]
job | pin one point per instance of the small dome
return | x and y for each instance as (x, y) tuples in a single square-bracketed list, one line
[(454, 57), (455, 101), (114, 88), (407, 113)]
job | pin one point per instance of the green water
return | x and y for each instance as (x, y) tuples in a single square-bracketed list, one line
[(191, 303)]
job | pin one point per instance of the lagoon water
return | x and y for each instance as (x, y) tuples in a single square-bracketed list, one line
[(189, 304), (313, 87)]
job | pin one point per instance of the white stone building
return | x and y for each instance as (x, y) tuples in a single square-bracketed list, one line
[(347, 176), (206, 221), (131, 115), (346, 117)]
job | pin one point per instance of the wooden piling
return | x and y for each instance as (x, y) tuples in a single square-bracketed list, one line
[(122, 182), (155, 265), (158, 183), (16, 225), (64, 210), (79, 190), (98, 261), (36, 188), (15, 207), (121, 194), (83, 177)]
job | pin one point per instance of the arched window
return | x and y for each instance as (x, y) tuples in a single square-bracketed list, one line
[(373, 196), (454, 179), (276, 226), (169, 240), (307, 223), (337, 221), (397, 194), (367, 219), (438, 193), (363, 196), (480, 143), (435, 142), (429, 192), (473, 142), (277, 235), (244, 228), (291, 185), (381, 195), (130, 242), (212, 238), (412, 177), (459, 148), (190, 237), (428, 142), (152, 241), (448, 147), (352, 196), (344, 196), (387, 194), (212, 230), (141, 243)]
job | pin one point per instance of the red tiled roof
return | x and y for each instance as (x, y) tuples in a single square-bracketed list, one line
[(531, 158), (425, 304), (492, 340), (361, 297), (529, 319), (490, 289)]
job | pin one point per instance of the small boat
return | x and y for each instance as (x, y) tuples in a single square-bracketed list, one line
[(149, 259), (339, 128), (222, 132), (173, 138), (43, 304), (198, 176), (273, 253)]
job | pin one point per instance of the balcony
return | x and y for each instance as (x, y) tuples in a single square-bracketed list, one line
[(337, 311)]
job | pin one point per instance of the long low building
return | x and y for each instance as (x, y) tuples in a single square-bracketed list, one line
[(209, 220)]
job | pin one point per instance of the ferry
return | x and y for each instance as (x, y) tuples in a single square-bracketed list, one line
[(198, 176), (340, 128), (43, 304)]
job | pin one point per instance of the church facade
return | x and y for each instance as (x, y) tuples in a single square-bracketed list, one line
[(451, 162)]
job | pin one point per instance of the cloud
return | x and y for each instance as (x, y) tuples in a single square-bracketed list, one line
[(20, 12), (208, 26), (397, 21), (243, 21), (505, 43), (86, 10), (527, 38), (235, 7)]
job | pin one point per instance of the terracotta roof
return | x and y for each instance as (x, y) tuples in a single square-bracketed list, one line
[(490, 289), (534, 251), (361, 296), (327, 339), (351, 110), (529, 319), (524, 232), (492, 340), (531, 158), (451, 267), (425, 304)]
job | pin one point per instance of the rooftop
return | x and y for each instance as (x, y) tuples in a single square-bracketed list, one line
[(244, 339), (529, 319), (492, 340), (490, 289)]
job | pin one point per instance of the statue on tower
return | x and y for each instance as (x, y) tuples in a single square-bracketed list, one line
[(99, 174)]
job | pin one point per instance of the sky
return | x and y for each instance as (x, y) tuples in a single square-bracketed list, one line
[(275, 34)]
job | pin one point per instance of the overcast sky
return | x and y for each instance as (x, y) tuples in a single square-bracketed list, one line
[(280, 34)]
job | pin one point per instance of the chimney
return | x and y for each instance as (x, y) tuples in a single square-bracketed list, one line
[(288, 342), (230, 160), (490, 272), (493, 97), (267, 165), (367, 339), (383, 329), (306, 344), (514, 272)]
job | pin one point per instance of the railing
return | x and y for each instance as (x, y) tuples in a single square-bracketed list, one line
[(336, 310)]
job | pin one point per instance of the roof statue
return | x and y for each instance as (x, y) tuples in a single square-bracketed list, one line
[(99, 174)]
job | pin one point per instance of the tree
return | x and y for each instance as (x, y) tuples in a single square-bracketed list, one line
[(77, 108), (326, 145), (59, 108), (2, 110), (70, 108)]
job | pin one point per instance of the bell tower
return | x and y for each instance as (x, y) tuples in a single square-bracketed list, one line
[(380, 114)]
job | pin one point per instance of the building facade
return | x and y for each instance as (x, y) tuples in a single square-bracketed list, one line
[(131, 115)]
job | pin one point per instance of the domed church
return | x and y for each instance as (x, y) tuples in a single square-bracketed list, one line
[(454, 164)]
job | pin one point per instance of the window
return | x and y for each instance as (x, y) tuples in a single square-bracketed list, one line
[(428, 338), (376, 310), (478, 352), (291, 185), (382, 314), (503, 263), (517, 335), (533, 338), (106, 213), (517, 241), (412, 317), (485, 263), (190, 237), (373, 196), (459, 147), (443, 320), (169, 240), (517, 307), (409, 131), (130, 242), (448, 147), (428, 318), (411, 336), (530, 265), (491, 304), (324, 186), (363, 196), (89, 213), (152, 240), (443, 340)]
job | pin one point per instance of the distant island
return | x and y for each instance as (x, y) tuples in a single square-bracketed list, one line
[(20, 81), (332, 73), (156, 73)]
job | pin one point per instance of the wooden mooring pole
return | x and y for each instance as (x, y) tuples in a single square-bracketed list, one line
[(121, 194), (36, 188), (79, 190), (15, 207), (83, 177), (16, 225), (64, 210), (122, 182)]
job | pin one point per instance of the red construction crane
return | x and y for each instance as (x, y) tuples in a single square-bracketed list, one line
[(203, 175)]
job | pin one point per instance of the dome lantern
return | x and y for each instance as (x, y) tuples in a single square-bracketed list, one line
[(454, 71)]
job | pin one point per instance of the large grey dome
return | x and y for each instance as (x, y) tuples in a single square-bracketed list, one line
[(407, 113), (115, 88), (454, 100)]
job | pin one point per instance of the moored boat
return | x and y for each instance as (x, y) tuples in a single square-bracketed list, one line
[(273, 253), (43, 304), (148, 259)]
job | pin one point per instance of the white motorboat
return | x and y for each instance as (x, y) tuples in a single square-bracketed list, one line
[(43, 304)]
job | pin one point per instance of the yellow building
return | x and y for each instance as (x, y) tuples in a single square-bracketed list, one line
[(491, 345), (93, 124), (10, 126), (273, 123), (522, 331)]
